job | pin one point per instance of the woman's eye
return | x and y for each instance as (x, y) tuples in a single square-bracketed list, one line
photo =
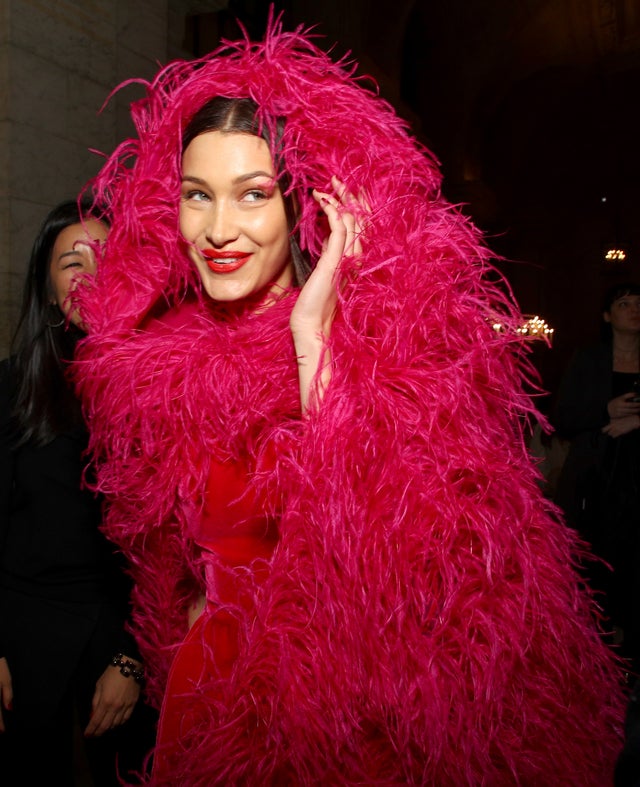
[(195, 195), (255, 195)]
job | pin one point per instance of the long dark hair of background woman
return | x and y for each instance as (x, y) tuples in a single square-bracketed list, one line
[(67, 665)]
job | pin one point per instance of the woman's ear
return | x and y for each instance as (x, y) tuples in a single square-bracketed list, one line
[(606, 316)]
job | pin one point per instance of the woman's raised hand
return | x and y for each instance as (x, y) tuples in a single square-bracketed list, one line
[(313, 314)]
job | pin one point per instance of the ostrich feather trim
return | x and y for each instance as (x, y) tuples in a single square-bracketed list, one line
[(423, 620)]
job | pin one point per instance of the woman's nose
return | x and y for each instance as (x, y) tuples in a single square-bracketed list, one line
[(89, 264), (222, 227)]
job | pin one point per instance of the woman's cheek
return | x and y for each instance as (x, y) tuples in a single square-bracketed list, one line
[(190, 221)]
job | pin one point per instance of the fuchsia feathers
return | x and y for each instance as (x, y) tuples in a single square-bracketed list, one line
[(422, 622)]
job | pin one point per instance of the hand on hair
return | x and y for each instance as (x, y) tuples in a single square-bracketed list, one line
[(314, 312)]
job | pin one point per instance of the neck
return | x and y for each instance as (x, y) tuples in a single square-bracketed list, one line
[(626, 344), (626, 352)]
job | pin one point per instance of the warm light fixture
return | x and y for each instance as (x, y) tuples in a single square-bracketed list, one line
[(535, 327), (615, 255)]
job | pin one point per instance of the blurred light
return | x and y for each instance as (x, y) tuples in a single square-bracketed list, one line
[(615, 255), (535, 327)]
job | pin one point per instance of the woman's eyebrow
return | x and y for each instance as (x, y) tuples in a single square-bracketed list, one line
[(239, 179), (251, 175), (70, 253)]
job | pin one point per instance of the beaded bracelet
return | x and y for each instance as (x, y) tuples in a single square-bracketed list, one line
[(128, 668)]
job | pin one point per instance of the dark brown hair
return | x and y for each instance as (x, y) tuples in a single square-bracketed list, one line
[(44, 342), (241, 116)]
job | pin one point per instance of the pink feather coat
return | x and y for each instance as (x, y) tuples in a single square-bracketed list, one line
[(422, 621)]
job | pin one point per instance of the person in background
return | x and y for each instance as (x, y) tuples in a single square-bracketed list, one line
[(65, 657), (598, 409)]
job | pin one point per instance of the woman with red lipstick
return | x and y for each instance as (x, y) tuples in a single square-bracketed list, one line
[(311, 440), (234, 219)]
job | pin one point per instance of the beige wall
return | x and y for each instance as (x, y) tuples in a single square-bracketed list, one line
[(58, 62)]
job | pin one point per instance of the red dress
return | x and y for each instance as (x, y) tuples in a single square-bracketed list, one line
[(236, 539)]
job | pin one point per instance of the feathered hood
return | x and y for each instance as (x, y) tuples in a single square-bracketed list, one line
[(422, 607), (334, 124)]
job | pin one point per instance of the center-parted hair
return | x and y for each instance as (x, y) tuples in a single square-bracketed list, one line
[(240, 116)]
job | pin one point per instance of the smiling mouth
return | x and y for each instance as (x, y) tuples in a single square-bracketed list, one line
[(224, 261)]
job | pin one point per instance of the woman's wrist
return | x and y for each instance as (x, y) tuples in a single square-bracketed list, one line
[(128, 667), (308, 339), (313, 359)]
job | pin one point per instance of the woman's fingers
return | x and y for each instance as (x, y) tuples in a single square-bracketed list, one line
[(623, 405), (352, 208), (335, 246), (342, 210)]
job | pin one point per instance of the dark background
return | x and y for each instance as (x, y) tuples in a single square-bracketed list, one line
[(532, 107)]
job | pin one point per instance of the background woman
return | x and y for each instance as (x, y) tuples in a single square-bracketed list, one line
[(599, 410), (63, 593), (336, 466)]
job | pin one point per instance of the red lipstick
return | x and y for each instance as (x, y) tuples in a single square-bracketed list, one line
[(224, 261)]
